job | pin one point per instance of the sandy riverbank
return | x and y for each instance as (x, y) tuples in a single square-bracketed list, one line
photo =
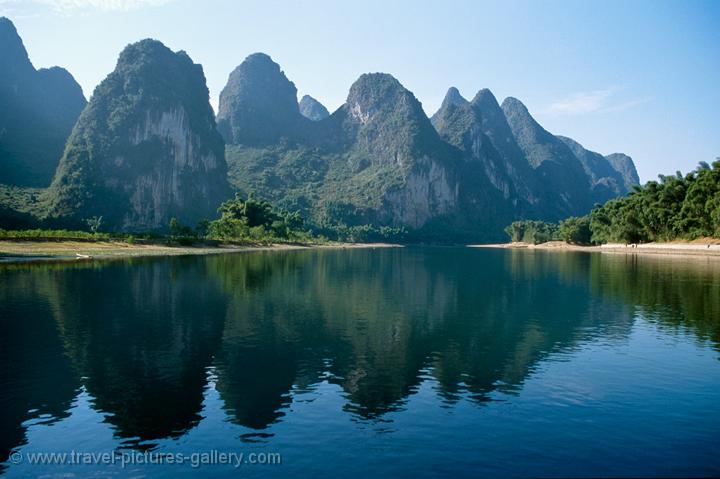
[(24, 251), (705, 247)]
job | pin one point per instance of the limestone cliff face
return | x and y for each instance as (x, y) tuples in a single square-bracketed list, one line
[(387, 127), (385, 121), (429, 191), (462, 176), (377, 159), (539, 174), (146, 148), (563, 185), (169, 186), (479, 128)]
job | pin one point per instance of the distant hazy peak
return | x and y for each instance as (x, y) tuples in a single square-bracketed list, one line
[(485, 98), (14, 58), (260, 63), (312, 109), (57, 72), (616, 165), (260, 57), (451, 103), (258, 104), (522, 122), (453, 97), (624, 165), (492, 116), (375, 92), (256, 71), (38, 109), (513, 105)]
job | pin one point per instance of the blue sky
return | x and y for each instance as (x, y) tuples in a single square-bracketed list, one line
[(641, 77)]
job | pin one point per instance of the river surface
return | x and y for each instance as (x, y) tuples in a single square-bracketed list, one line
[(407, 362)]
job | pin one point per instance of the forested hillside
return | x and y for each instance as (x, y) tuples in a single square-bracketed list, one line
[(677, 207)]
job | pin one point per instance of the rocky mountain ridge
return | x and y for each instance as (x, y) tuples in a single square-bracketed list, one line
[(465, 173), (148, 148), (145, 149), (312, 109), (38, 109)]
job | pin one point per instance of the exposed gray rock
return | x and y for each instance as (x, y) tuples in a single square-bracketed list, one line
[(624, 165), (312, 109), (146, 148), (606, 181), (378, 159), (565, 186), (258, 105)]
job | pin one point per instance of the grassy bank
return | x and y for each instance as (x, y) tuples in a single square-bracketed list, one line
[(12, 250)]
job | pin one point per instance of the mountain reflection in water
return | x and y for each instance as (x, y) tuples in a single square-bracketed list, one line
[(141, 337)]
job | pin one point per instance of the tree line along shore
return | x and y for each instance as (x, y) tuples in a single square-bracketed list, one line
[(678, 214), (682, 211)]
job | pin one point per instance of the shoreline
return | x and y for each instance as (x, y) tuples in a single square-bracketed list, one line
[(710, 248), (13, 252)]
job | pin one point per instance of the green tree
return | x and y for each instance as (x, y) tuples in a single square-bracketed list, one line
[(532, 231), (576, 230), (94, 223), (675, 207), (255, 220), (179, 230)]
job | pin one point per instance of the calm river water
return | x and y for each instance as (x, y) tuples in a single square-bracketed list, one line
[(413, 362)]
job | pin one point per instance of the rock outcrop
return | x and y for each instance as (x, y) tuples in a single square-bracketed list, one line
[(605, 180), (312, 109), (376, 160), (258, 104), (379, 160), (624, 165), (411, 168), (564, 185), (38, 109), (479, 129), (145, 149)]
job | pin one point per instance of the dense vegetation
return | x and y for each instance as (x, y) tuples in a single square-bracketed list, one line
[(325, 188), (252, 219), (241, 220), (378, 162), (675, 207), (47, 234), (532, 231), (575, 230), (147, 149), (125, 159), (20, 207)]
